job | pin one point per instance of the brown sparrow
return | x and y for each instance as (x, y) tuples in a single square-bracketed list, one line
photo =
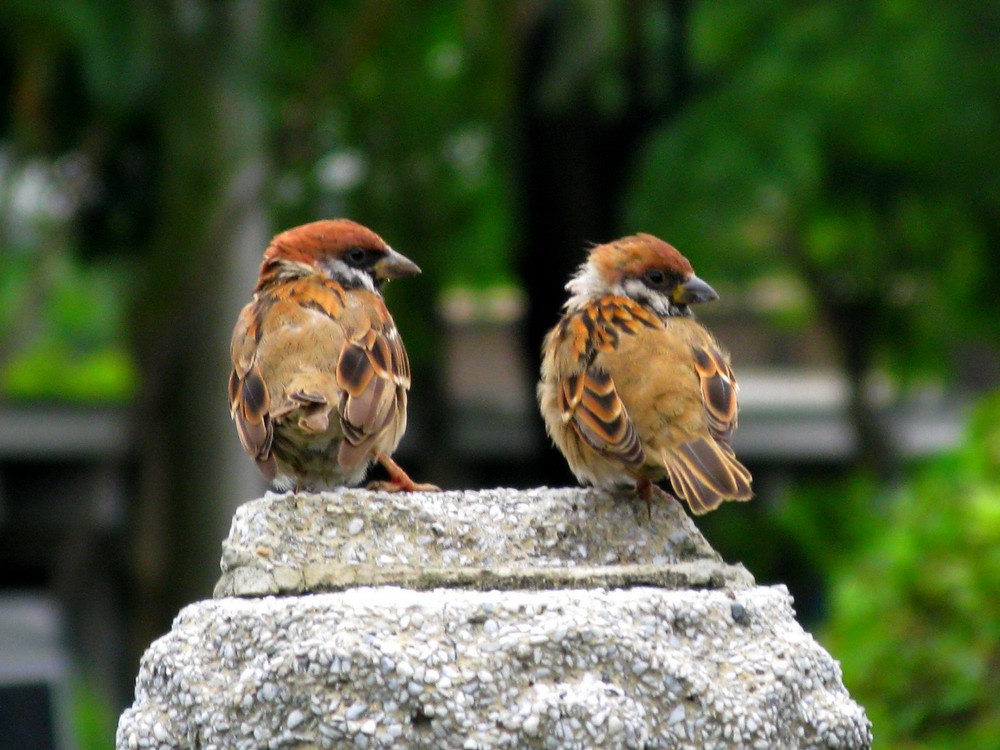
[(320, 375), (633, 390)]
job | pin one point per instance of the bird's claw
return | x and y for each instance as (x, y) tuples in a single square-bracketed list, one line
[(394, 486), (399, 480)]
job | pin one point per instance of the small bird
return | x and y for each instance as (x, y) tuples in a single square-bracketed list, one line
[(633, 390), (320, 375)]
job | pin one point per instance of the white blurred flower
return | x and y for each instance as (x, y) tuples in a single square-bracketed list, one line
[(342, 170), (29, 191), (38, 197)]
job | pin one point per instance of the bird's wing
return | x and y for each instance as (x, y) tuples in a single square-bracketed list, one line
[(588, 396), (373, 373), (249, 398), (598, 415), (718, 391), (705, 469)]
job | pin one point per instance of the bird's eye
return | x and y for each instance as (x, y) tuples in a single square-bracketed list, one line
[(655, 277), (356, 256)]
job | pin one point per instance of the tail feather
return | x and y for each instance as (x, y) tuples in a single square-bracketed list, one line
[(705, 472)]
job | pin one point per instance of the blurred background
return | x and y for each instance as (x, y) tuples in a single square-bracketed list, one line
[(830, 168)]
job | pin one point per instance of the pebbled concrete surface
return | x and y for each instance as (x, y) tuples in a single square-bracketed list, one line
[(490, 619), (486, 539), (386, 667)]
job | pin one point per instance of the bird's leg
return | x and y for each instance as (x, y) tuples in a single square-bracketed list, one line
[(645, 489), (399, 480)]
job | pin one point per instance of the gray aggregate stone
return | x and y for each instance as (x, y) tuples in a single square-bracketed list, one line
[(493, 619), (486, 539), (657, 683)]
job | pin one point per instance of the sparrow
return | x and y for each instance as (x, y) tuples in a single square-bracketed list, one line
[(633, 390), (320, 375)]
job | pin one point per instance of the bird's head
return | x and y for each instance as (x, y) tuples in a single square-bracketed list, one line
[(349, 253), (644, 268)]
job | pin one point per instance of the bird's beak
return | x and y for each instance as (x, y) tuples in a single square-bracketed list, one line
[(693, 291), (395, 266)]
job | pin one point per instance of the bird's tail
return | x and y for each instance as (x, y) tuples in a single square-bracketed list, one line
[(705, 472)]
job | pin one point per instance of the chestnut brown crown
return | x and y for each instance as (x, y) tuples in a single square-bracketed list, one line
[(644, 268), (349, 253), (632, 256)]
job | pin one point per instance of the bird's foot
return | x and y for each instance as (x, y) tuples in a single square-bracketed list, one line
[(646, 491), (399, 480)]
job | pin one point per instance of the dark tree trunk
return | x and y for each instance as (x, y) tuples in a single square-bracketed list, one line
[(852, 325), (852, 319), (206, 248), (574, 164)]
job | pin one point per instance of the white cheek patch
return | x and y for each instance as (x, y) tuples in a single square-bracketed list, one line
[(658, 301), (349, 278), (638, 291)]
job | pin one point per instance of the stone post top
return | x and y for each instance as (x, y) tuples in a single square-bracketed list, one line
[(546, 618), (484, 539)]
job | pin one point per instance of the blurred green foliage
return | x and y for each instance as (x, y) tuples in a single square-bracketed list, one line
[(402, 121), (846, 144), (846, 149), (915, 611), (94, 720), (55, 370), (849, 147), (62, 321)]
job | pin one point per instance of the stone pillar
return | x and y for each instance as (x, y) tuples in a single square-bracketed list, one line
[(499, 618)]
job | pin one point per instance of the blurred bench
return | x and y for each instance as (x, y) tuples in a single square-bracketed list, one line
[(791, 415)]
